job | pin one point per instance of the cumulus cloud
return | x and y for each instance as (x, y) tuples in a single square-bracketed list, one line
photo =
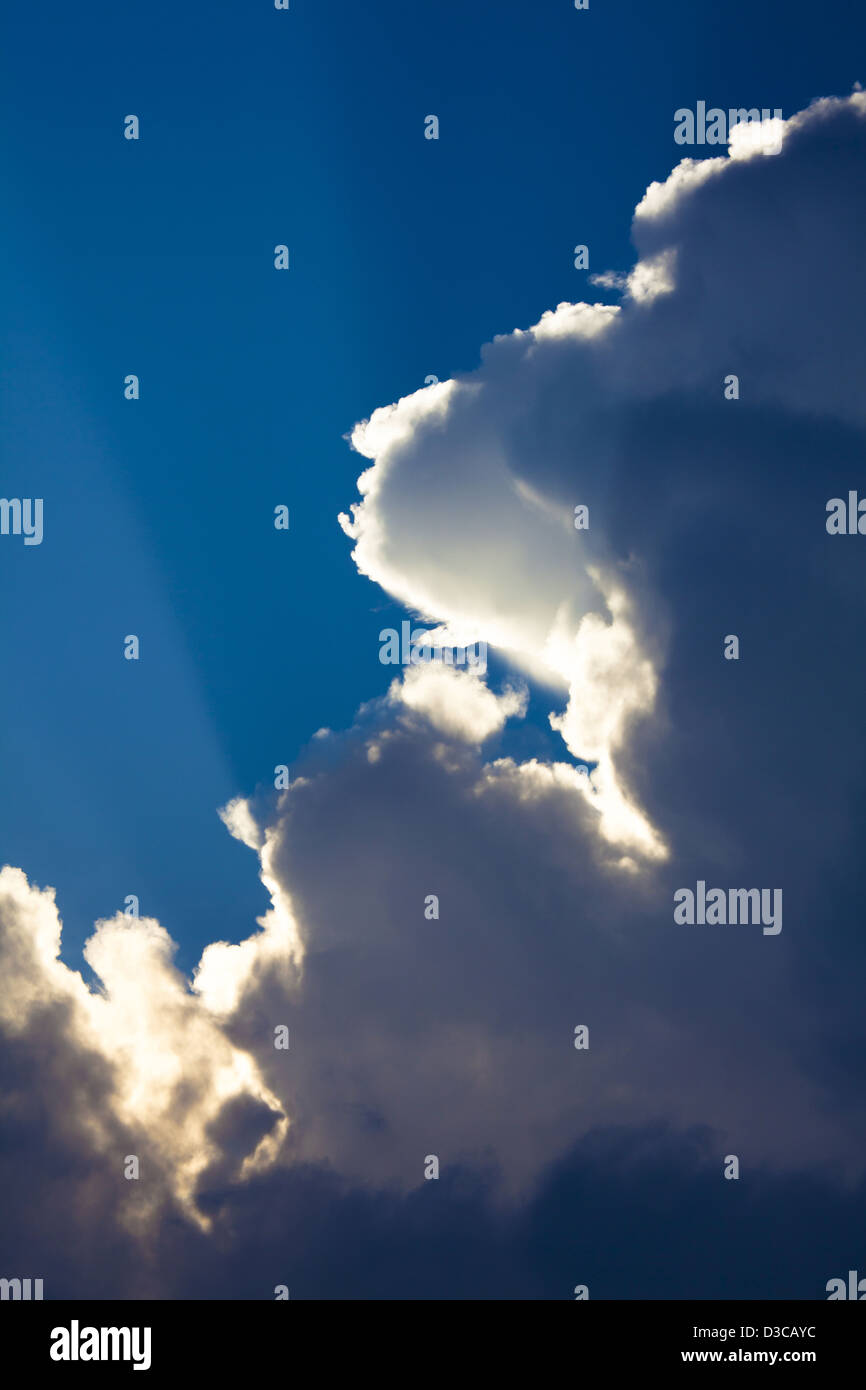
[(457, 703), (451, 1034), (497, 461), (170, 1071)]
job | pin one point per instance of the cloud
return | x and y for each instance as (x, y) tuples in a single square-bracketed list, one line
[(413, 1035), (457, 703), (497, 461), (168, 1071)]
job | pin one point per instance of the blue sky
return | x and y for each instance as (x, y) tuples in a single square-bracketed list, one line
[(155, 257)]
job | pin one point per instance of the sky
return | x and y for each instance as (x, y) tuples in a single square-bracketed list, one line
[(417, 1035)]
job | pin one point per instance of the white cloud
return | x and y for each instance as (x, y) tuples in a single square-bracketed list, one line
[(493, 555), (458, 703), (173, 1070)]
